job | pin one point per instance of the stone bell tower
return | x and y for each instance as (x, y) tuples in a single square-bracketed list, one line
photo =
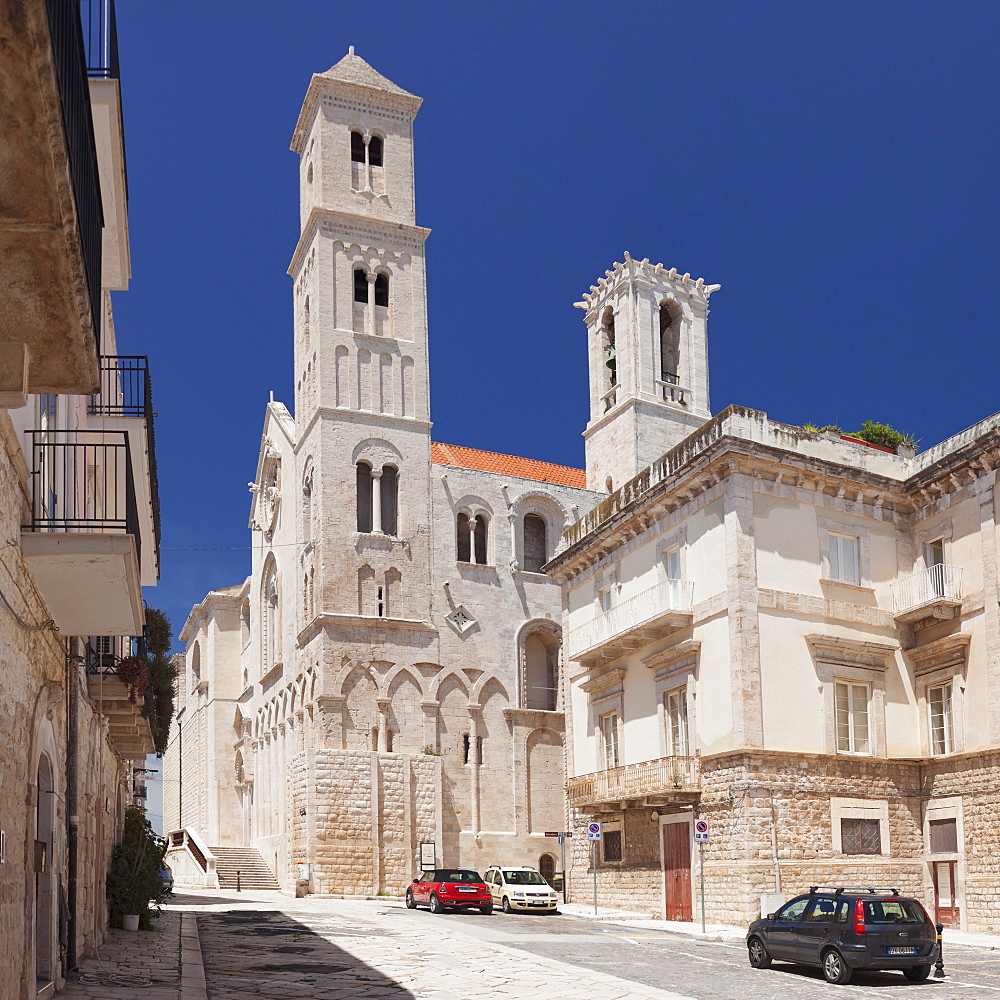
[(648, 359), (362, 408)]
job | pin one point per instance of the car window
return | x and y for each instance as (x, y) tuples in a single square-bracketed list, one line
[(893, 911), (822, 911), (842, 909), (523, 878), (794, 910), (456, 875)]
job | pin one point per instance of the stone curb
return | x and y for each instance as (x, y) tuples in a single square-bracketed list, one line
[(192, 984)]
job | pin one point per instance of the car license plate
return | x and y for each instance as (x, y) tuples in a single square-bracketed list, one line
[(902, 951), (463, 888)]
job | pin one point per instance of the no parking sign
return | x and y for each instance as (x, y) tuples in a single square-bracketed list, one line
[(594, 831), (701, 831)]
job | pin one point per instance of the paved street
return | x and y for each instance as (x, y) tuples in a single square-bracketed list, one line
[(265, 945)]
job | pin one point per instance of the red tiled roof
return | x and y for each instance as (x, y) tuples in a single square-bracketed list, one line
[(507, 465)]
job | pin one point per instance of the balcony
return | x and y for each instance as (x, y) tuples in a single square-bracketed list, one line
[(82, 540), (631, 624), (665, 781), (935, 592), (124, 403), (52, 216), (120, 704), (670, 390)]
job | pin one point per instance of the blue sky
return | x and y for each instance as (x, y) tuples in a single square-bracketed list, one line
[(832, 166)]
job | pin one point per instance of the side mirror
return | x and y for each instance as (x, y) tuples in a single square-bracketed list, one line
[(414, 881), (770, 916)]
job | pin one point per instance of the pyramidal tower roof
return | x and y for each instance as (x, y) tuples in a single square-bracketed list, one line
[(352, 73), (353, 69)]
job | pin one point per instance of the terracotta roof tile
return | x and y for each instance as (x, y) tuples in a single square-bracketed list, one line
[(507, 465)]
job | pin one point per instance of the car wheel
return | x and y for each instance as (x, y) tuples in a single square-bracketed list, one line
[(436, 906), (487, 909), (917, 973), (835, 969), (760, 957), (506, 905), (410, 902)]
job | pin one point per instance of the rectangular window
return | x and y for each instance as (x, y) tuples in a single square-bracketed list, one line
[(612, 845), (672, 561), (844, 558), (677, 723), (944, 836), (942, 726), (860, 836), (609, 737), (607, 598), (851, 704)]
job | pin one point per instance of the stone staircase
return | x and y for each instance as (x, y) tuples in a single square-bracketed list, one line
[(254, 873)]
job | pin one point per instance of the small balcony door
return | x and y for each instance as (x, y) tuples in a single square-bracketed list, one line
[(946, 909), (677, 871)]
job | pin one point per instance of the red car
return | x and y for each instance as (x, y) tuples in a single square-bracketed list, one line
[(446, 888)]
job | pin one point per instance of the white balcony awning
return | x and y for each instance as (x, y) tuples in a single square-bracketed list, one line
[(90, 581)]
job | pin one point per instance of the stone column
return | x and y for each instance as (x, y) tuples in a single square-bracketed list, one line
[(475, 716), (472, 538), (383, 724), (377, 501), (370, 311)]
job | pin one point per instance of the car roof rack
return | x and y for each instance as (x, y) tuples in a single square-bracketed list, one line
[(840, 890)]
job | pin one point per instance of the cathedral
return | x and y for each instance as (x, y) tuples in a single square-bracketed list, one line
[(388, 681)]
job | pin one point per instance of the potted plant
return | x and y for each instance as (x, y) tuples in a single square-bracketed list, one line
[(134, 878), (133, 674)]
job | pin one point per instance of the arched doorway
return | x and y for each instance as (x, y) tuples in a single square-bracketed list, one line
[(45, 908), (547, 868)]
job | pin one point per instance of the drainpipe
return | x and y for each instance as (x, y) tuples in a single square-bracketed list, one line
[(72, 798)]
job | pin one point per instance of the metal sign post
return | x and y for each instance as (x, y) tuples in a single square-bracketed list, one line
[(594, 835), (562, 835), (701, 836)]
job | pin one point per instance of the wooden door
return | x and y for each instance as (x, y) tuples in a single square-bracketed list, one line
[(677, 870), (946, 909)]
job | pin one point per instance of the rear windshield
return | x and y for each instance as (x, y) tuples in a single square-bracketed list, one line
[(893, 911), (456, 875), (523, 878)]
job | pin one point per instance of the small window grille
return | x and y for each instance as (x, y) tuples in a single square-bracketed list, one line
[(860, 836), (612, 845)]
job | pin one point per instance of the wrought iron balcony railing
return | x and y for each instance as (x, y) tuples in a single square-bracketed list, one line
[(100, 38), (666, 778), (937, 587), (78, 127), (104, 653), (651, 608), (82, 481)]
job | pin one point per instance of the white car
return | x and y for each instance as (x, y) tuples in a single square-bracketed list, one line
[(516, 888)]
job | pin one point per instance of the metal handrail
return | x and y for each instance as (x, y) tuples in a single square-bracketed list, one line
[(669, 595), (926, 586), (125, 389), (82, 481), (100, 38)]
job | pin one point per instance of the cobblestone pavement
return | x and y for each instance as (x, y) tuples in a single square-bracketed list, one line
[(224, 946)]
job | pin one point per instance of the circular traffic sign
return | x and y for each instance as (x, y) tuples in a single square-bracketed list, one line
[(701, 826), (594, 828)]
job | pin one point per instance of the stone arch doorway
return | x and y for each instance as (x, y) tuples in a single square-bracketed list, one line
[(45, 903), (547, 868)]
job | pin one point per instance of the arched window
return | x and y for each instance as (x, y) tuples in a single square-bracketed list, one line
[(381, 289), (480, 539), (463, 538), (245, 622), (388, 496), (271, 646), (540, 654), (375, 151), (534, 543), (610, 355), (360, 285), (669, 343), (357, 147), (307, 490), (364, 484), (196, 662)]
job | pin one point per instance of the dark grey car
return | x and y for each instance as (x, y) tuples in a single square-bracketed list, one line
[(840, 930)]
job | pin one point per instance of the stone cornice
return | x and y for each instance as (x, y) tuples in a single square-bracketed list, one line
[(362, 621), (950, 650), (851, 652), (670, 658), (364, 225), (605, 683)]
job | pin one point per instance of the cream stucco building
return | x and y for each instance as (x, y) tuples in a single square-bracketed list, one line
[(389, 674), (790, 635)]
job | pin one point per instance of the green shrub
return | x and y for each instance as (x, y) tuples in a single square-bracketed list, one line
[(134, 878), (883, 434)]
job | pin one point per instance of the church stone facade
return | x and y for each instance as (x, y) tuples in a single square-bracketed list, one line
[(390, 672)]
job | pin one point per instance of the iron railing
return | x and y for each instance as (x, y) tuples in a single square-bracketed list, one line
[(82, 481), (632, 781), (632, 613), (78, 127), (126, 391), (104, 653), (100, 38), (934, 583)]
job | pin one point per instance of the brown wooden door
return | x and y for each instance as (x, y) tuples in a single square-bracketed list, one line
[(677, 870), (945, 901)]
